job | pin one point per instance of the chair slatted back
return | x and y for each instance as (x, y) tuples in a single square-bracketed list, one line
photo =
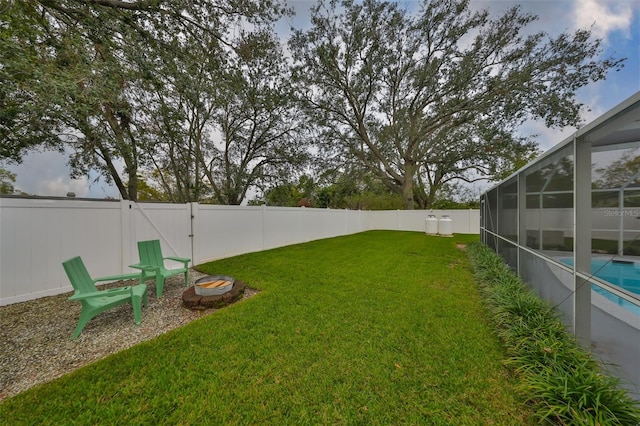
[(150, 253), (79, 276)]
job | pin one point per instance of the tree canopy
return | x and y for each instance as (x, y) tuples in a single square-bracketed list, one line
[(198, 101), (436, 96), (121, 83), (7, 181)]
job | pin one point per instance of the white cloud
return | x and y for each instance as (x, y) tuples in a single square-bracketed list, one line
[(545, 137), (61, 186), (605, 16), (47, 174)]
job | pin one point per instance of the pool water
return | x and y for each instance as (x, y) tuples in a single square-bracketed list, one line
[(624, 274)]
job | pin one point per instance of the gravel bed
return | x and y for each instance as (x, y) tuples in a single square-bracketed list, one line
[(35, 336)]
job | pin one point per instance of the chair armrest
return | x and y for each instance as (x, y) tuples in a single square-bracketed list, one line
[(110, 292), (144, 267), (179, 259), (118, 277)]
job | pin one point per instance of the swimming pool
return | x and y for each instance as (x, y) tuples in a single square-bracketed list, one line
[(623, 273)]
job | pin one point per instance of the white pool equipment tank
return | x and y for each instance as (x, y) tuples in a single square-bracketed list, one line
[(431, 225), (445, 226)]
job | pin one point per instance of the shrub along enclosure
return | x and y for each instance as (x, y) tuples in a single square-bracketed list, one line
[(562, 381)]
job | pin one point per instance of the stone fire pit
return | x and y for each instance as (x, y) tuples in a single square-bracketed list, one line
[(213, 285), (232, 293)]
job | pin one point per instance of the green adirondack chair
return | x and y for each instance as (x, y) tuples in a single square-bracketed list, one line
[(96, 301), (152, 265)]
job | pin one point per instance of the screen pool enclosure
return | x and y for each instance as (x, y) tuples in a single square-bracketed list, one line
[(569, 224)]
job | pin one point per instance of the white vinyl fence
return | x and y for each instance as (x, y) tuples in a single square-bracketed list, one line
[(37, 235)]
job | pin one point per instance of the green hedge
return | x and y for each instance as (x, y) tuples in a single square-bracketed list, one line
[(563, 382)]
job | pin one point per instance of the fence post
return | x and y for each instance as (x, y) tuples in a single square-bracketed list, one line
[(582, 240), (522, 217), (263, 225), (195, 232), (126, 235)]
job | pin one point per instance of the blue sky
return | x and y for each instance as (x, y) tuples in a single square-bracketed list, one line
[(617, 22)]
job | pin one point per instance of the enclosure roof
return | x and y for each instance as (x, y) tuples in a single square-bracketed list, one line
[(618, 126)]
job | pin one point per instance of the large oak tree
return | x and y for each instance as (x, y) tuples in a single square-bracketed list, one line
[(78, 74), (229, 126), (423, 99)]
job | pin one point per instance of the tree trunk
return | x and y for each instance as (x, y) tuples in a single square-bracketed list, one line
[(133, 185), (113, 171), (407, 185), (431, 197)]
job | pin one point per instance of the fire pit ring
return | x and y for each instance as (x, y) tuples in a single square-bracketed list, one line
[(213, 285)]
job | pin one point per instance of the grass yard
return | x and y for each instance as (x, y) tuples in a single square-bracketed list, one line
[(380, 327)]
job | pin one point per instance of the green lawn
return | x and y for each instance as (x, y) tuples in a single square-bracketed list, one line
[(375, 328)]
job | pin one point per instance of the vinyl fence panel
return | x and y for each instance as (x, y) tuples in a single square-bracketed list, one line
[(224, 231), (37, 235)]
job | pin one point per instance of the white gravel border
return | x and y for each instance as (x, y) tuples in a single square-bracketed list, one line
[(35, 336)]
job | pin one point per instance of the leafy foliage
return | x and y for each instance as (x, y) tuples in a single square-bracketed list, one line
[(115, 81), (565, 384), (25, 120), (199, 96), (7, 180), (262, 132), (426, 99), (338, 190)]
